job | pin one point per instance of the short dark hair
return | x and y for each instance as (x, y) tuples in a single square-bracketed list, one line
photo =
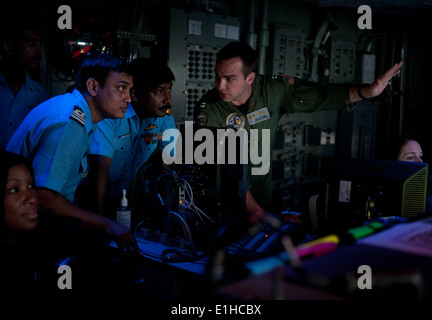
[(98, 66), (13, 30), (9, 160), (150, 72), (242, 51)]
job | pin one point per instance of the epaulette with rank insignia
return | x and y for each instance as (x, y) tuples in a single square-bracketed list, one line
[(78, 115)]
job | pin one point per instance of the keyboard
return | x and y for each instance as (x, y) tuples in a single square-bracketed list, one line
[(265, 241)]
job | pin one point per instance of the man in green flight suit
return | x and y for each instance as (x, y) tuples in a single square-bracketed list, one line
[(246, 100)]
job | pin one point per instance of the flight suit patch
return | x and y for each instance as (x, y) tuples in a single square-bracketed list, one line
[(235, 120), (288, 79), (202, 119)]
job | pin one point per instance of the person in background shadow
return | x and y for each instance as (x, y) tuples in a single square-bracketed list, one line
[(405, 149), (21, 53)]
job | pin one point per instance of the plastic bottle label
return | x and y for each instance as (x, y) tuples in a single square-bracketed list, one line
[(124, 218)]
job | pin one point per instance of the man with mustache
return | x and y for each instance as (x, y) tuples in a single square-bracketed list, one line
[(21, 53), (121, 146)]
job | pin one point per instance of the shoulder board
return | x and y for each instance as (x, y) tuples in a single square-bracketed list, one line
[(78, 115)]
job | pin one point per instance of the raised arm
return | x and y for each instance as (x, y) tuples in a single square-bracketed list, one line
[(374, 89)]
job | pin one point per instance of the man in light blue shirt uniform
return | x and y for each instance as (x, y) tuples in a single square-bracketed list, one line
[(130, 147), (120, 147), (21, 52), (57, 142), (56, 135), (14, 108)]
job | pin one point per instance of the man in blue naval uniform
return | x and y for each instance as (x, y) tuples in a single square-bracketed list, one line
[(14, 108), (68, 126), (56, 135), (120, 147), (21, 52), (131, 146)]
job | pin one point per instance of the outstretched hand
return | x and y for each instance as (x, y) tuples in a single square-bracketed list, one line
[(377, 87)]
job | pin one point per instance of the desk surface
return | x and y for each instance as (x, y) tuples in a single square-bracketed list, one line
[(399, 261), (152, 251), (272, 286)]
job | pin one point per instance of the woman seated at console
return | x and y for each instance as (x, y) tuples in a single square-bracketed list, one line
[(34, 244), (405, 149)]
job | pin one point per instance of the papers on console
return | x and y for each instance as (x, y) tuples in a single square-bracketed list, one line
[(411, 237)]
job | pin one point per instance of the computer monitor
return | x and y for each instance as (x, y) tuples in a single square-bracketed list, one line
[(353, 191)]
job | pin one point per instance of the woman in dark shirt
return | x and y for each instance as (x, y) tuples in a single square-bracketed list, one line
[(34, 244)]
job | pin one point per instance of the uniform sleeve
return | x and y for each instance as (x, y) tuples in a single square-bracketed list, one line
[(58, 158), (168, 123), (206, 117), (206, 112), (309, 97), (103, 139)]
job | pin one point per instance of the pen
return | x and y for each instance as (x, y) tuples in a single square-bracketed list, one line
[(332, 238), (317, 250)]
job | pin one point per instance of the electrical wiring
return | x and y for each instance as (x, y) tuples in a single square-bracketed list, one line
[(198, 211), (191, 203), (186, 229), (176, 255), (136, 227), (189, 192)]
